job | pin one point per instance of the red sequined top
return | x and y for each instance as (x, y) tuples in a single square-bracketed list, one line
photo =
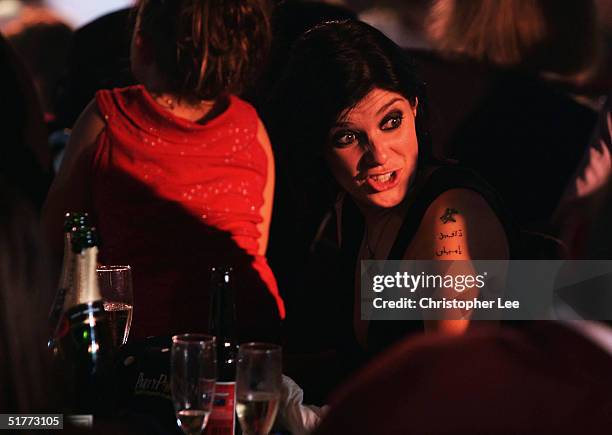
[(173, 198)]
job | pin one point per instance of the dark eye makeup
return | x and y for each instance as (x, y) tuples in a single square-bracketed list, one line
[(344, 138), (392, 120)]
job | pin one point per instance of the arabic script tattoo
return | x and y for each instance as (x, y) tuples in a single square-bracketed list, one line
[(456, 233), (444, 251)]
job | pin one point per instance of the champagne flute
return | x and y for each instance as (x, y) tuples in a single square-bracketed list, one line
[(118, 296), (193, 374), (258, 386)]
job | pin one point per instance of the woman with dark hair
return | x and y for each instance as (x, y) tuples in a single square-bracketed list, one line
[(178, 172), (348, 117)]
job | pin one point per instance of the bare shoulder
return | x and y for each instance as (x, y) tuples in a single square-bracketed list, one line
[(460, 224), (90, 117), (71, 188), (90, 122), (264, 141), (471, 203), (262, 134), (83, 136)]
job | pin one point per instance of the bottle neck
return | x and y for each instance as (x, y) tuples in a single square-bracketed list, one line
[(223, 313), (85, 281)]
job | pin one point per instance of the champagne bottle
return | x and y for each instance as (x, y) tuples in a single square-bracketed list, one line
[(72, 222), (86, 343), (222, 324)]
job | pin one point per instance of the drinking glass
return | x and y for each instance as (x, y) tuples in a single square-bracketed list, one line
[(193, 373), (118, 296), (258, 386)]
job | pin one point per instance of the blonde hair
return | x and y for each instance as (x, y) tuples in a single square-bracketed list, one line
[(546, 35)]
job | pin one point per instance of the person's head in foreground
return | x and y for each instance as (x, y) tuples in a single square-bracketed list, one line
[(541, 377)]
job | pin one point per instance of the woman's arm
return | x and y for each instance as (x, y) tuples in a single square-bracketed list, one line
[(459, 225), (268, 194), (71, 189)]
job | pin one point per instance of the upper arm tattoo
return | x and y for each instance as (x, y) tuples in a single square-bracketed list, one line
[(450, 251), (456, 233), (449, 217)]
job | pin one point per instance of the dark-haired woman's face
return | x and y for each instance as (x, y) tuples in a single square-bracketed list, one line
[(373, 149)]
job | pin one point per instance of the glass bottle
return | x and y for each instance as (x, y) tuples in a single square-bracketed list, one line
[(72, 222), (222, 324), (85, 342)]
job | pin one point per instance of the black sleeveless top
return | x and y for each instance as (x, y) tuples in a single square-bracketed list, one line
[(438, 180)]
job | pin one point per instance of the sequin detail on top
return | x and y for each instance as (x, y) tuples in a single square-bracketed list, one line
[(162, 182)]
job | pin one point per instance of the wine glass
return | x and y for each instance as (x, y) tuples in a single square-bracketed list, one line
[(258, 386), (118, 296), (193, 374)]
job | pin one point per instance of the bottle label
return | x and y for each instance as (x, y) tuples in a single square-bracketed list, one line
[(222, 419)]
